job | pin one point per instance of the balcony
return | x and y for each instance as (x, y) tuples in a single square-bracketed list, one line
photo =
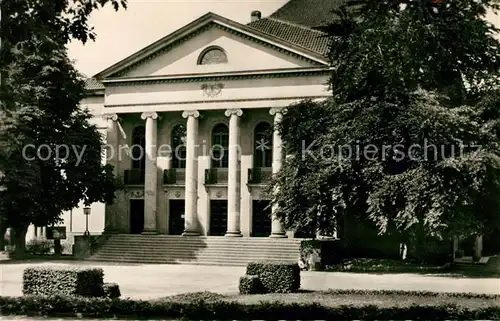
[(134, 177), (215, 176), (174, 176), (260, 175)]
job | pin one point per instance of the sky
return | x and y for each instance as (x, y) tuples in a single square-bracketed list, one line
[(120, 34)]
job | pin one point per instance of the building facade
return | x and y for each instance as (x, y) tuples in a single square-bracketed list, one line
[(189, 122), (189, 126)]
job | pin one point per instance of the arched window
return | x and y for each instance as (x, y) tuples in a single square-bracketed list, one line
[(220, 146), (212, 55), (179, 146), (263, 145), (139, 148)]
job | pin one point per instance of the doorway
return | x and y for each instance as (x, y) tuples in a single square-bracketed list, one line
[(218, 217), (261, 218), (176, 217), (136, 216)]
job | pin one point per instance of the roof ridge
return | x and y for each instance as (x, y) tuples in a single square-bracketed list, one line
[(295, 25)]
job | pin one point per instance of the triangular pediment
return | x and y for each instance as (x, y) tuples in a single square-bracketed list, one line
[(246, 49)]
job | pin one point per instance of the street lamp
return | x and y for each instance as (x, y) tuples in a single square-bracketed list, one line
[(86, 212)]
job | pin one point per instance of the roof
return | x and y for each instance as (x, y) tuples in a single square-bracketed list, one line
[(304, 37), (309, 13), (92, 84)]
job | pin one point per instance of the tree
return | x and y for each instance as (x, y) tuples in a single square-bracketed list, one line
[(410, 137), (40, 115)]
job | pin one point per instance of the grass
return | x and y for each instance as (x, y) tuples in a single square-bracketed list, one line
[(384, 299), (356, 298), (490, 270)]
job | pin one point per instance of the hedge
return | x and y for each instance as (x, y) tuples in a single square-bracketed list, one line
[(67, 281), (251, 284), (67, 306), (276, 277), (111, 290)]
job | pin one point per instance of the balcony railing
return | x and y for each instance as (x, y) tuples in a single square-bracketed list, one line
[(216, 176), (134, 177), (259, 175), (174, 176)]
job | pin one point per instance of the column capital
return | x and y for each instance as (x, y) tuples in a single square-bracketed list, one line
[(229, 112), (152, 115), (190, 113), (277, 110), (113, 117)]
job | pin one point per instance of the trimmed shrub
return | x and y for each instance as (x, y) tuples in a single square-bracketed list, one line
[(250, 284), (64, 306), (111, 290), (72, 281), (38, 246), (276, 277)]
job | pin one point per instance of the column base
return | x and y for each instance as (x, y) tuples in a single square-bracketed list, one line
[(233, 234), (148, 232), (190, 233), (281, 235)]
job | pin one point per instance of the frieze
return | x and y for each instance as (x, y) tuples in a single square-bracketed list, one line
[(212, 90)]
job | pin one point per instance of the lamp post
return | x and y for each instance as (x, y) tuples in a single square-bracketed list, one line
[(86, 212)]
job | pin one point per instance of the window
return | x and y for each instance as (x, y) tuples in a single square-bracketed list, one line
[(179, 146), (212, 55), (139, 148), (220, 146), (263, 145)]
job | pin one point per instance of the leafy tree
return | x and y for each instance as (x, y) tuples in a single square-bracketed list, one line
[(40, 106), (410, 137)]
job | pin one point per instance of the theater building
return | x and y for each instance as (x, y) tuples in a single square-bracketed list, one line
[(201, 103)]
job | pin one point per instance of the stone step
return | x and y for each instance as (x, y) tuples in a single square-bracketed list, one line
[(166, 249), (153, 260), (211, 247)]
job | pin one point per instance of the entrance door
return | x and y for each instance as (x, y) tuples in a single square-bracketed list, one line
[(218, 217), (136, 216), (176, 217), (261, 218)]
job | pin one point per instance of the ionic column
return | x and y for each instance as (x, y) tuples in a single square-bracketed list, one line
[(112, 158), (276, 228), (233, 179), (191, 189), (151, 173)]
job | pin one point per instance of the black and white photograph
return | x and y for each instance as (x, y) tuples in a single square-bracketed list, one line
[(249, 160)]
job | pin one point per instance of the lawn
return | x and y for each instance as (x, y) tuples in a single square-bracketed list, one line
[(382, 299)]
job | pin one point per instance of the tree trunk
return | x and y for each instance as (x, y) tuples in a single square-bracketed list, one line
[(3, 230), (20, 241)]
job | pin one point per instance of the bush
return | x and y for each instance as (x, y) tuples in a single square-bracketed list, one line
[(64, 306), (53, 281), (111, 290), (250, 284), (38, 246), (276, 277)]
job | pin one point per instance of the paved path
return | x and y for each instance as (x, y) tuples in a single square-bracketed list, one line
[(153, 281)]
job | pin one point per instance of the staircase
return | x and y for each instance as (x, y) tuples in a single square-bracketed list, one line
[(203, 250)]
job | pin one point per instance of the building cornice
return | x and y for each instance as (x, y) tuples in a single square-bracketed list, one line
[(298, 98), (218, 76)]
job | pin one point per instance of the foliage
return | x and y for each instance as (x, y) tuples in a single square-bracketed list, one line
[(276, 277), (41, 93), (410, 138), (52, 281), (111, 290), (38, 246), (470, 307), (250, 284)]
